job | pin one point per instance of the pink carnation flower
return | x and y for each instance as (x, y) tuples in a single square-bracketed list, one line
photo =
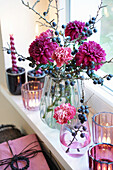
[(74, 29), (64, 112), (90, 51), (41, 49), (61, 55)]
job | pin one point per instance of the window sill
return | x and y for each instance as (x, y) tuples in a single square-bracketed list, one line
[(49, 136), (102, 98), (100, 101)]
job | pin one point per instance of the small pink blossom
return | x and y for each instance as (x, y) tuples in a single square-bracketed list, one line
[(64, 112), (90, 51), (61, 55)]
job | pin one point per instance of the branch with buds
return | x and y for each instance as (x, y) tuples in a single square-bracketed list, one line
[(48, 23)]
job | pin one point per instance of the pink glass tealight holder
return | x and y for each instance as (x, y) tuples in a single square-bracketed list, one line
[(102, 127), (31, 94), (101, 156)]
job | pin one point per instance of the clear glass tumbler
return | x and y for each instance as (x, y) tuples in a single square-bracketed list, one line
[(102, 127), (70, 138), (31, 94), (101, 156)]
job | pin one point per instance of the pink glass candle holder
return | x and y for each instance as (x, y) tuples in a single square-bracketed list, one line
[(101, 157), (102, 127), (31, 94)]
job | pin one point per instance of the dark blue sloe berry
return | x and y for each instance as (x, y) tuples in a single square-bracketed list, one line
[(82, 135), (66, 82), (83, 33), (56, 68), (95, 82), (46, 71), (84, 128), (63, 26), (108, 78), (19, 59), (56, 32), (85, 29), (53, 39), (81, 100), (44, 13), (93, 18), (86, 111), (94, 30), (79, 110), (69, 76), (82, 107), (72, 83), (58, 39), (8, 51), (87, 24), (86, 107), (54, 24), (110, 75)]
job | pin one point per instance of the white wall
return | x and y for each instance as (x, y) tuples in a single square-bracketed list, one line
[(83, 10), (19, 20)]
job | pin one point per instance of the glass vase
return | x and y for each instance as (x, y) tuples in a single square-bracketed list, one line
[(75, 137), (55, 93)]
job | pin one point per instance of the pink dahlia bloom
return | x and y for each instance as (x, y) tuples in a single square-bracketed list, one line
[(74, 29), (41, 49), (61, 55), (48, 33), (90, 51), (64, 112)]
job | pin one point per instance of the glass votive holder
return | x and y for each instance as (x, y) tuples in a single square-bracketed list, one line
[(15, 80), (101, 156), (31, 94), (102, 127)]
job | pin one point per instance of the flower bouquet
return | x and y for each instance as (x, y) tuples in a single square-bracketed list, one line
[(67, 58)]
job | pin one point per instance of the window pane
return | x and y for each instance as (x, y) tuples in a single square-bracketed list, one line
[(106, 35)]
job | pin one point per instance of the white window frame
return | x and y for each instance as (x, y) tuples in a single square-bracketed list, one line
[(102, 99)]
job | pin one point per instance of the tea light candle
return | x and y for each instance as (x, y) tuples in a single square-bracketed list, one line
[(34, 103), (31, 95), (102, 127), (101, 156), (104, 140)]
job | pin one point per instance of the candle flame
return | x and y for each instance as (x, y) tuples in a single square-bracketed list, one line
[(108, 140), (107, 124), (18, 78), (104, 139)]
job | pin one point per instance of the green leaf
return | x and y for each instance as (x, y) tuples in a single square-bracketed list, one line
[(49, 110), (50, 63), (39, 66)]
